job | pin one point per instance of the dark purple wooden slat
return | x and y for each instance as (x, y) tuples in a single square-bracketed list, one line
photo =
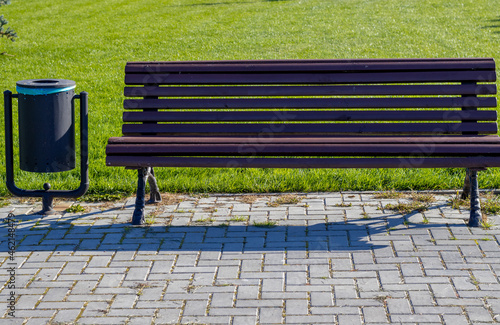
[(295, 61), (249, 103), (359, 90), (310, 128), (310, 65), (309, 116), (450, 139), (309, 78), (303, 149), (463, 162)]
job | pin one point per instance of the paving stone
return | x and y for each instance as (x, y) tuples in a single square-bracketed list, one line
[(420, 319), (222, 299), (66, 315), (102, 320), (321, 299), (27, 301), (422, 298), (484, 277), (233, 311), (455, 319), (55, 294), (398, 306), (345, 292), (114, 312), (244, 320), (374, 315), (313, 319), (194, 308), (443, 290), (124, 301), (349, 319), (478, 314), (296, 307)]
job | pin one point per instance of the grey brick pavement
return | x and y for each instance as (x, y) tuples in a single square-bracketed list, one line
[(331, 258)]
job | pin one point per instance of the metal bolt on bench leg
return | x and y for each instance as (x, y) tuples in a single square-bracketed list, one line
[(475, 205)]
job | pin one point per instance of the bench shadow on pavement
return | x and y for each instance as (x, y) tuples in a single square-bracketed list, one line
[(364, 234)]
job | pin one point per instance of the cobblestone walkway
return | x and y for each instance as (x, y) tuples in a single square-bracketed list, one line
[(323, 258)]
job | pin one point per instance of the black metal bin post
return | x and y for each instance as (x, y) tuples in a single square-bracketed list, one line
[(46, 121)]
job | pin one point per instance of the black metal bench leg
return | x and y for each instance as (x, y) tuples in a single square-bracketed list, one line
[(466, 190), (475, 205), (138, 217), (155, 196)]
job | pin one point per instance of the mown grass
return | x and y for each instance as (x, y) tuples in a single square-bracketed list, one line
[(90, 42)]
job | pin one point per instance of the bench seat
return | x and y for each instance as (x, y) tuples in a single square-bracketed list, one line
[(378, 113), (473, 151)]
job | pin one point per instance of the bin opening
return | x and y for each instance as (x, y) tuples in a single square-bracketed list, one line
[(45, 81)]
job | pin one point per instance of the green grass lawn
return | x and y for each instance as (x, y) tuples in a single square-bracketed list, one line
[(90, 41)]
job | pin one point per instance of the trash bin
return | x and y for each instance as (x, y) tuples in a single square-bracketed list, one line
[(46, 118), (46, 123)]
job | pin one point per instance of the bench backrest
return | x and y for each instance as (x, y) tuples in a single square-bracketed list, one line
[(311, 97)]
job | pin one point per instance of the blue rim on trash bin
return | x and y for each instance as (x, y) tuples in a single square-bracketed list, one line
[(44, 86)]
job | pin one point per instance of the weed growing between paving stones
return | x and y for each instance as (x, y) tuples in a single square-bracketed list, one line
[(405, 208), (457, 202), (204, 220), (265, 224), (170, 199), (343, 205), (210, 209), (91, 198), (150, 220), (422, 197), (248, 199), (238, 218), (392, 194), (490, 203), (285, 199), (417, 202), (486, 224), (75, 208)]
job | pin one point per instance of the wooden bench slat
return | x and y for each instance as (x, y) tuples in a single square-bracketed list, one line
[(310, 78), (242, 103), (240, 116), (309, 65), (269, 149), (309, 128), (213, 162), (449, 139), (359, 90)]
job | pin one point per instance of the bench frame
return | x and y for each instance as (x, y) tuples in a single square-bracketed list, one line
[(374, 78)]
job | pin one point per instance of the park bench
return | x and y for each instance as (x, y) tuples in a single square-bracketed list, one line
[(366, 113)]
